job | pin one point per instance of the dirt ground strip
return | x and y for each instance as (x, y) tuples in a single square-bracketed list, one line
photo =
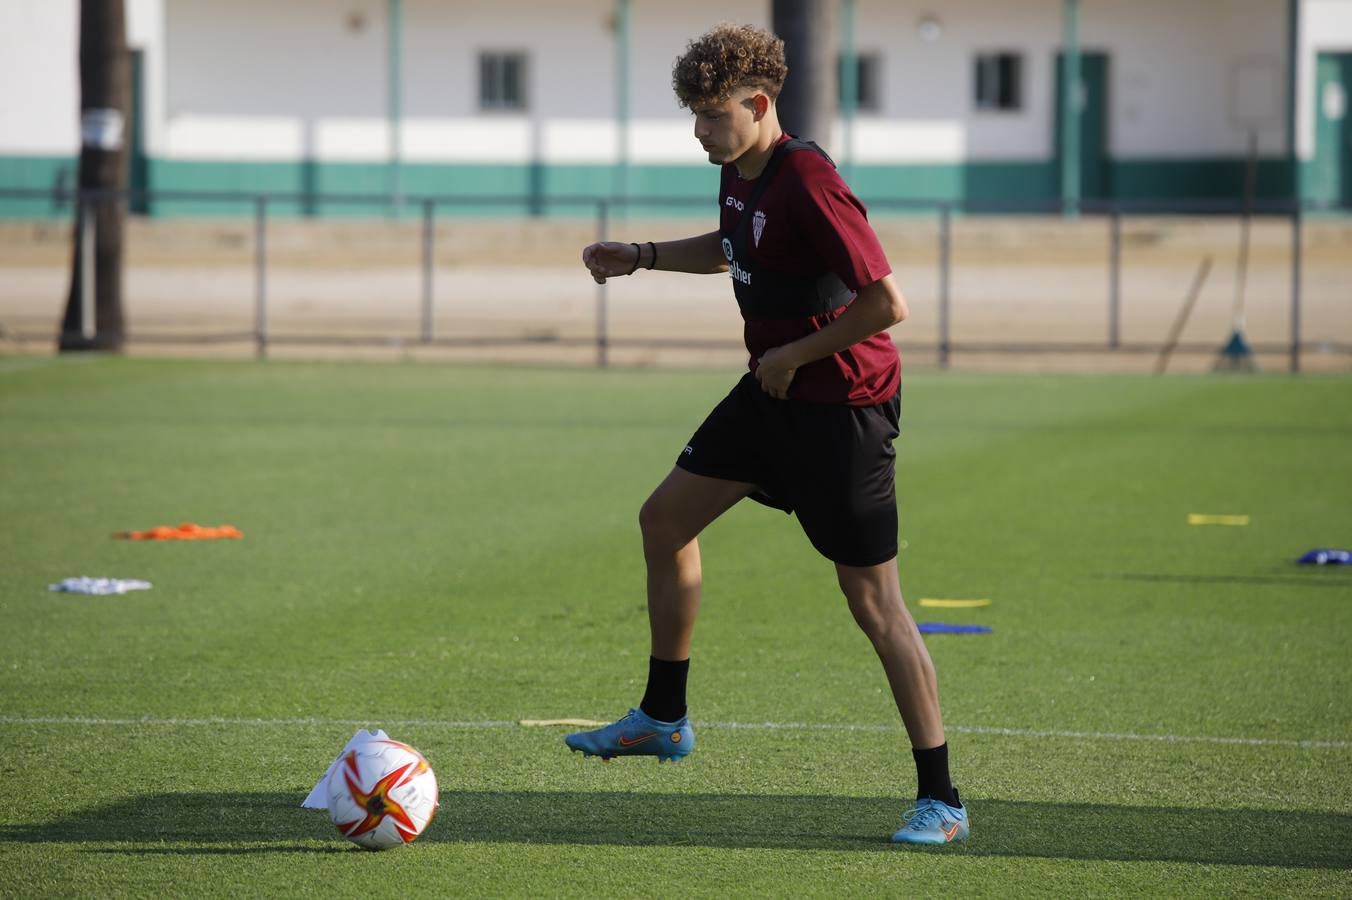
[(515, 291)]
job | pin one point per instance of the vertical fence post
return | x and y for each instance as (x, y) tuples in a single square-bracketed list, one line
[(1297, 262), (602, 338), (428, 254), (1114, 277), (261, 275), (945, 241)]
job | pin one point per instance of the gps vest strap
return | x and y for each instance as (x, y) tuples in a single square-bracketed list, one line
[(780, 295)]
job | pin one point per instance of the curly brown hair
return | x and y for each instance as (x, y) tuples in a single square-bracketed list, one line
[(727, 59)]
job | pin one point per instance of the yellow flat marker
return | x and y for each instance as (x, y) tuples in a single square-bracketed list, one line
[(1204, 519), (954, 604), (541, 723)]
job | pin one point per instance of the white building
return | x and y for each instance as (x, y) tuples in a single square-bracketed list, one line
[(957, 99)]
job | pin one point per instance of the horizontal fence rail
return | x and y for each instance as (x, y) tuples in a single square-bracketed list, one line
[(262, 208)]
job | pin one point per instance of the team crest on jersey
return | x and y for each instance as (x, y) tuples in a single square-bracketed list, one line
[(757, 226)]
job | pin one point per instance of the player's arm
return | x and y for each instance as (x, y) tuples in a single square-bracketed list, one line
[(702, 255), (877, 307)]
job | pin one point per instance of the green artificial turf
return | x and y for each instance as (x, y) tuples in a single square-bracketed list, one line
[(443, 551)]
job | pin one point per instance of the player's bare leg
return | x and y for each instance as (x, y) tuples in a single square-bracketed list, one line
[(680, 508), (671, 519), (874, 595)]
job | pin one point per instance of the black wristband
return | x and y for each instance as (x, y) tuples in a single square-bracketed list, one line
[(637, 254), (652, 265)]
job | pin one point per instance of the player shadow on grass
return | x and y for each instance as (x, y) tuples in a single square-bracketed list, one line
[(209, 824), (274, 822)]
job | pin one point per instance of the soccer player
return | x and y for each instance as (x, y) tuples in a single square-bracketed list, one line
[(808, 429)]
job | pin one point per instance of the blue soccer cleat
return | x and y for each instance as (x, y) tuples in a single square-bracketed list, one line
[(934, 822), (636, 735)]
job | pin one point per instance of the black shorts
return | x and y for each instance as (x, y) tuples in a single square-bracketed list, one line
[(830, 464)]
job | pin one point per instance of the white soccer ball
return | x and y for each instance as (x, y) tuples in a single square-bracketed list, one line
[(382, 794)]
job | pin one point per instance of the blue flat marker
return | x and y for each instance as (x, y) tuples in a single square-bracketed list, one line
[(1326, 556), (946, 628)]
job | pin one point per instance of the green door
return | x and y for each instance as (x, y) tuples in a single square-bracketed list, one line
[(1095, 172), (1331, 171)]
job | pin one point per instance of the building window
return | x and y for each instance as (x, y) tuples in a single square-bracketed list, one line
[(999, 81), (502, 81), (867, 82)]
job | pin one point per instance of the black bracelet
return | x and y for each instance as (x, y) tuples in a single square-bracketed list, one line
[(652, 265), (637, 254)]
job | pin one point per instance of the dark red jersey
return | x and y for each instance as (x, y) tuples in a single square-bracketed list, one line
[(806, 227)]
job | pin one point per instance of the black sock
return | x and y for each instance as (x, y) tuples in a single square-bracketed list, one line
[(931, 767), (664, 700)]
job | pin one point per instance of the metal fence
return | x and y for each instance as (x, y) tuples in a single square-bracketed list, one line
[(265, 208)]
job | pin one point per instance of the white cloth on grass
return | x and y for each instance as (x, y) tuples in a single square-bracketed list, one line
[(319, 796), (86, 585)]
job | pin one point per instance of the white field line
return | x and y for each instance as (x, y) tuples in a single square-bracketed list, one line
[(486, 724)]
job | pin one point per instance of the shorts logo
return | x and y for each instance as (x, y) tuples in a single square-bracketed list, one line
[(689, 450), (727, 249), (757, 226)]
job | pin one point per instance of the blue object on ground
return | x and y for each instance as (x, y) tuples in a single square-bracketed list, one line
[(1326, 557), (945, 628)]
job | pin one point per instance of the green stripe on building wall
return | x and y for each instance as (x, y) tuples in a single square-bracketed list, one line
[(298, 186), (1201, 179), (513, 189), (42, 173)]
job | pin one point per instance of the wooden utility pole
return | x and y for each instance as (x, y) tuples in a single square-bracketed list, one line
[(807, 105), (93, 319)]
